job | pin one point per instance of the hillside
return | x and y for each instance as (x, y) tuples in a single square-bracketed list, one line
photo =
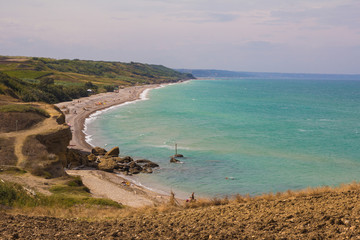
[(52, 81), (314, 214)]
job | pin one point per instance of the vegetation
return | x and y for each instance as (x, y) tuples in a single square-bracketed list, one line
[(23, 108), (50, 80), (64, 196)]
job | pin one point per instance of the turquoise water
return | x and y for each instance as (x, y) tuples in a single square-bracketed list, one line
[(240, 135)]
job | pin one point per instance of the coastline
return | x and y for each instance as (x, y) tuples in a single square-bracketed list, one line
[(100, 183), (78, 110)]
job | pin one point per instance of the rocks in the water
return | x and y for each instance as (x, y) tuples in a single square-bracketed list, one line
[(114, 152), (108, 161), (107, 164), (142, 161), (147, 163), (178, 155), (174, 160), (98, 151), (126, 159), (151, 165)]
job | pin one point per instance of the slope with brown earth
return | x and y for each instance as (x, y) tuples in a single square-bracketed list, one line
[(42, 145), (327, 214)]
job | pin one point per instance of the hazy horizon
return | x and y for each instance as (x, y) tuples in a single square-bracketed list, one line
[(321, 37)]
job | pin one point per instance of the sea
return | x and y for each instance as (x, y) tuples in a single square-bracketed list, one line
[(239, 135)]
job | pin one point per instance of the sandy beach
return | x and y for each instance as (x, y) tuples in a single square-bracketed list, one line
[(103, 184), (78, 110)]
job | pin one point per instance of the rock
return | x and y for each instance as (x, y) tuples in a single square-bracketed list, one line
[(133, 165), (98, 151), (107, 164), (123, 167), (178, 155), (135, 170), (174, 160), (75, 158), (92, 157), (142, 161), (151, 165), (114, 152), (126, 159)]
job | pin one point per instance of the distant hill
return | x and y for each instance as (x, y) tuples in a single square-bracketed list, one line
[(206, 73), (50, 80)]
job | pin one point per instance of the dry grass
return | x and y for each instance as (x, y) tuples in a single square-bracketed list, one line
[(98, 212)]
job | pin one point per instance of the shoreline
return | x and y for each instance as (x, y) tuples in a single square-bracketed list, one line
[(77, 111), (100, 183)]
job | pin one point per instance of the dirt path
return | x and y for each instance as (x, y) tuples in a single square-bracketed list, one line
[(47, 125)]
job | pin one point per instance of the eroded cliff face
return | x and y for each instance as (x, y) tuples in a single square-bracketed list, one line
[(41, 148), (45, 153)]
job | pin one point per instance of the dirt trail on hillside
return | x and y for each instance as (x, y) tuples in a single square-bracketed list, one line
[(45, 126)]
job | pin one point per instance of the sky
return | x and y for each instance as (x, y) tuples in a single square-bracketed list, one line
[(292, 36)]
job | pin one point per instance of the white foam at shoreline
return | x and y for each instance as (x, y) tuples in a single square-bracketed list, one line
[(142, 97), (133, 180)]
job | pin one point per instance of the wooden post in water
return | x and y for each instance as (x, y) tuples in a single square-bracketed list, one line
[(175, 149)]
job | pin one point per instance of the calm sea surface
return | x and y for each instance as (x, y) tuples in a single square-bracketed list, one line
[(240, 135)]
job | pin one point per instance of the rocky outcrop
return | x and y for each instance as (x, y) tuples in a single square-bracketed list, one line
[(107, 164), (174, 160), (97, 151), (76, 158), (114, 152), (110, 161)]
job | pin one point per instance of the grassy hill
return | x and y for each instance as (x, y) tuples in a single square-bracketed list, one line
[(50, 80)]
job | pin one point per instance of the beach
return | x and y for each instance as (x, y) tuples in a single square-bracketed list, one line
[(103, 184), (78, 110)]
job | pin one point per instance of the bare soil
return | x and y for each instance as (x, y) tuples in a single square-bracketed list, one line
[(326, 215), (14, 121)]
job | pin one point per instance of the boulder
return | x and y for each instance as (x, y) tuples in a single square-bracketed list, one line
[(114, 152), (126, 159), (92, 157), (142, 161), (75, 158), (151, 165), (135, 170), (178, 155), (107, 164), (174, 160), (98, 151)]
